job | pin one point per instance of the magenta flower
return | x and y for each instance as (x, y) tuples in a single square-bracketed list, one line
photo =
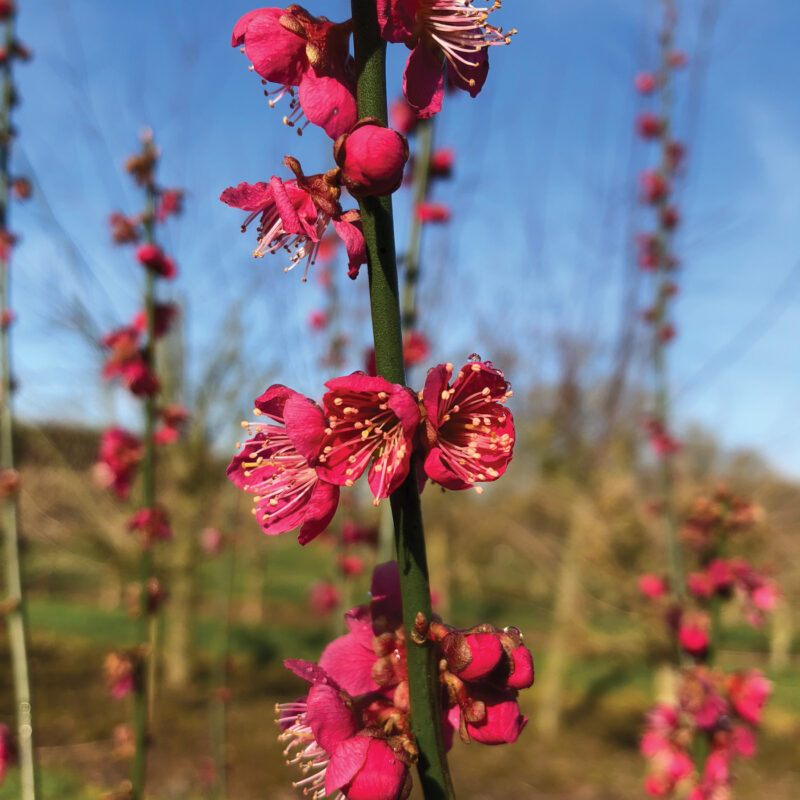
[(153, 258), (372, 158), (164, 315), (277, 466), (370, 421), (469, 431), (452, 33), (151, 524), (652, 586), (655, 187), (120, 674), (645, 82), (649, 125), (118, 459), (170, 203), (693, 634), (749, 691), (323, 597), (295, 49), (343, 744), (432, 212), (295, 214)]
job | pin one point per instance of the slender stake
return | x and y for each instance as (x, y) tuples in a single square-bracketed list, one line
[(146, 630), (421, 180), (660, 366), (16, 617), (376, 214)]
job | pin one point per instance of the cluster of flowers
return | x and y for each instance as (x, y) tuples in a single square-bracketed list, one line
[(295, 465), (129, 349), (709, 702), (351, 733), (654, 249), (725, 710), (308, 58)]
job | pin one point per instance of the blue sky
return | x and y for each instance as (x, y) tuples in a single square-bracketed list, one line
[(543, 199)]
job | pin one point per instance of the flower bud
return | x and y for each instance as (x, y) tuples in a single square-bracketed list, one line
[(372, 158)]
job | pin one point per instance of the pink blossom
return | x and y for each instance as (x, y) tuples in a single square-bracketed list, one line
[(164, 315), (370, 421), (120, 674), (469, 433), (277, 466), (124, 230), (212, 540), (652, 586), (432, 212), (452, 33), (372, 158), (402, 117), (173, 419), (645, 82), (7, 317), (441, 163), (654, 185), (670, 217), (323, 597), (151, 523), (677, 59), (415, 347), (341, 744), (502, 721), (700, 585), (170, 203), (650, 251), (350, 566), (661, 441), (674, 155), (693, 634), (295, 214), (317, 320), (353, 533), (749, 691), (649, 125), (153, 258), (295, 49), (118, 459)]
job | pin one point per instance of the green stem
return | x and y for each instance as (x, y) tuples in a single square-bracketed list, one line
[(219, 702), (16, 617), (376, 214), (146, 630), (420, 179), (660, 367)]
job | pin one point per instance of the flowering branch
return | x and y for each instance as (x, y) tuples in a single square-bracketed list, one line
[(9, 479), (376, 215)]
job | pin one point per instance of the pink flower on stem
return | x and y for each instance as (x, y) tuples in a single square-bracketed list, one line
[(677, 59), (295, 49), (749, 691), (323, 598), (441, 164), (449, 33), (402, 117), (170, 203), (173, 419), (652, 586), (153, 258), (120, 674), (674, 154), (650, 251), (415, 347), (277, 465), (645, 82), (317, 320), (432, 212), (357, 746), (670, 217), (469, 433), (7, 317), (165, 314), (295, 214), (662, 442), (212, 540), (124, 230), (125, 361), (151, 524), (371, 422), (693, 634), (350, 566), (118, 459), (649, 125), (654, 185), (372, 158)]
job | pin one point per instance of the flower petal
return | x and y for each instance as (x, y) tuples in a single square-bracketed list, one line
[(423, 81), (329, 716), (319, 512), (248, 196), (328, 103), (352, 235), (349, 660)]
